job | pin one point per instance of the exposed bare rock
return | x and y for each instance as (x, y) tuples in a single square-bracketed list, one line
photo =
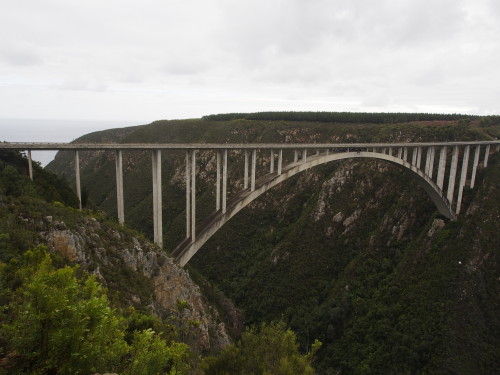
[(436, 225), (171, 285), (354, 216)]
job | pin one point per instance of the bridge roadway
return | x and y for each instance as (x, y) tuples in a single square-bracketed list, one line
[(419, 158), (54, 146)]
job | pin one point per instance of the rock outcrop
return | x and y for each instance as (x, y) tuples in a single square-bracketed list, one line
[(144, 276)]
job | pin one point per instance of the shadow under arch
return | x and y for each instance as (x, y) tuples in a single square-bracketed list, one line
[(187, 249)]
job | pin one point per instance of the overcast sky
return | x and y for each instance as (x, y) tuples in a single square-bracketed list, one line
[(140, 61)]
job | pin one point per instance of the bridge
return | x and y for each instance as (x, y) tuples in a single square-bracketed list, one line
[(430, 164)]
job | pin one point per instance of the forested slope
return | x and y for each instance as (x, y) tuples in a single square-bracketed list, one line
[(351, 253)]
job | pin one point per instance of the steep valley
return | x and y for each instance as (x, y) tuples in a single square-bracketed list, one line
[(352, 253)]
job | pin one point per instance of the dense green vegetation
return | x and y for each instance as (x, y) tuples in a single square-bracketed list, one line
[(252, 354), (48, 186), (53, 322), (56, 319), (341, 117), (386, 292)]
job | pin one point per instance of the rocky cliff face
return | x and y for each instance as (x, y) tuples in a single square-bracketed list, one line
[(137, 273)]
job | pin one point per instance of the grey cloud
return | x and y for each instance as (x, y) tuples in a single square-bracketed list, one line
[(172, 56), (83, 85), (20, 57)]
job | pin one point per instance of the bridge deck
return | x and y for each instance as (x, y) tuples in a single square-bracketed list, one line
[(218, 146)]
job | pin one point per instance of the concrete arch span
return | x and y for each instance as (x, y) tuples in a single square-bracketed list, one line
[(187, 249)]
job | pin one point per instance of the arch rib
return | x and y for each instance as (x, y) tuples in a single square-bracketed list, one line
[(187, 249)]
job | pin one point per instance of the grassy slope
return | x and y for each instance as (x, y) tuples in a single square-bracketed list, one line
[(380, 304)]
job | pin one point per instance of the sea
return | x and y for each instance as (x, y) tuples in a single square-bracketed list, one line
[(37, 130)]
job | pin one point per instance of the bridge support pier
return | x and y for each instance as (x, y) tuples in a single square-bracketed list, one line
[(271, 163), (441, 167), (414, 156), (419, 157), (486, 155), (474, 166), (431, 161), (157, 198), (280, 161), (193, 195), (30, 165), (188, 191), (453, 174), (427, 161), (463, 177), (245, 178), (224, 181), (77, 177), (119, 186), (254, 165), (217, 181)]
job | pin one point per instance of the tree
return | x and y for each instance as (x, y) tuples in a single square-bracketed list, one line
[(151, 355), (54, 323), (59, 322), (272, 349)]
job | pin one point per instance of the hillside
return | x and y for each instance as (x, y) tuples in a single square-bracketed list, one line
[(352, 253), (136, 274)]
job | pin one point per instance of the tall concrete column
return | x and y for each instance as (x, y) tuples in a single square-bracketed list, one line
[(245, 179), (271, 164), (383, 150), (295, 156), (304, 155), (453, 174), (224, 181), (419, 157), (193, 195), (441, 167), (280, 161), (254, 166), (405, 153), (390, 151), (157, 198), (119, 186), (431, 162), (317, 151), (463, 177), (427, 161), (327, 152), (188, 193), (486, 155), (414, 156), (159, 191), (217, 182), (30, 165), (474, 166), (77, 177), (400, 152)]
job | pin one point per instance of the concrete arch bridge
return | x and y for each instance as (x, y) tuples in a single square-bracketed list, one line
[(428, 162)]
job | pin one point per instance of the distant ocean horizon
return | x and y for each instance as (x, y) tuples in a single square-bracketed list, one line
[(34, 130)]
